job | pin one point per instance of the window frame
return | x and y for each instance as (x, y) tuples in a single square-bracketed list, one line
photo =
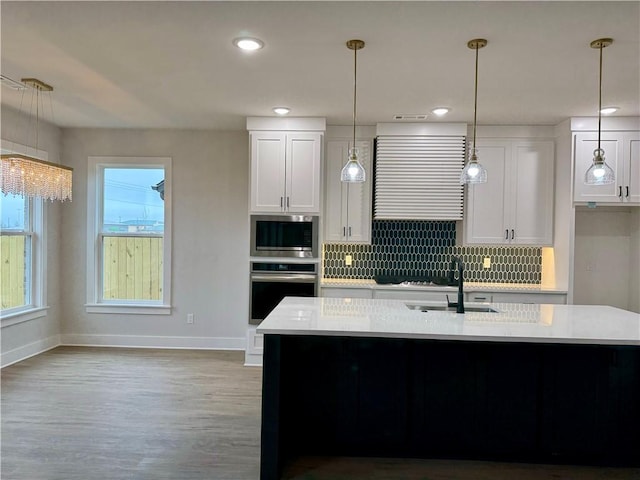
[(95, 237), (36, 306)]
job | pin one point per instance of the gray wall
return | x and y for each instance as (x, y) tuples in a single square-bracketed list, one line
[(30, 337), (210, 272), (606, 257)]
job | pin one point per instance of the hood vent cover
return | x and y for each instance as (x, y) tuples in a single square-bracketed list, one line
[(417, 177)]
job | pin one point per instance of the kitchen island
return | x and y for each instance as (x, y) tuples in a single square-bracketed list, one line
[(532, 383)]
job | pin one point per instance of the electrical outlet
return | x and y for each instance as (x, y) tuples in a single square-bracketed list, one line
[(189, 317), (486, 263), (348, 260)]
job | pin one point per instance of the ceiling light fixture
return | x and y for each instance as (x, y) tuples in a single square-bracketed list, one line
[(281, 110), (474, 172), (353, 171), (248, 43), (599, 173), (440, 111), (31, 177), (609, 110)]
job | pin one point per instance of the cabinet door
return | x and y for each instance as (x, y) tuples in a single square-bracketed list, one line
[(335, 214), (267, 171), (584, 145), (303, 172), (632, 170), (532, 200), (348, 205), (485, 211), (359, 200)]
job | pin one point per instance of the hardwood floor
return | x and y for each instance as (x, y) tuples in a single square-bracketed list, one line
[(135, 414), (111, 414)]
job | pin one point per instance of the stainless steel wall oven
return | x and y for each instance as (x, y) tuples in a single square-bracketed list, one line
[(284, 236), (271, 282)]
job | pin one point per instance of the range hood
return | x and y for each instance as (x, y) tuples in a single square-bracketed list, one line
[(417, 171)]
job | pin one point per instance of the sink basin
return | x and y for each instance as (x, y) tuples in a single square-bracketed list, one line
[(444, 308)]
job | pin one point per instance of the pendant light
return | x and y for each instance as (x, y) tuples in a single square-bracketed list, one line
[(353, 171), (474, 172), (599, 173)]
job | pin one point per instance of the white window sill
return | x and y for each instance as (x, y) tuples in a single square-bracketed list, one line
[(23, 316), (128, 309)]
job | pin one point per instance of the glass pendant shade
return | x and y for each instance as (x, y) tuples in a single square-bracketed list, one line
[(599, 173), (473, 172), (353, 171)]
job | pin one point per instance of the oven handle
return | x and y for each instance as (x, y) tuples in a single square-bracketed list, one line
[(284, 278)]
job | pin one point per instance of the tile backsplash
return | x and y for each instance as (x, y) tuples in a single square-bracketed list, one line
[(419, 248)]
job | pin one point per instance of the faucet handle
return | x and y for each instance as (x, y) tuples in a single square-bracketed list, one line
[(449, 302)]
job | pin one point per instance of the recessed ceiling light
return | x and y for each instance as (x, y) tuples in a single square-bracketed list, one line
[(247, 43), (440, 111), (281, 110), (609, 110)]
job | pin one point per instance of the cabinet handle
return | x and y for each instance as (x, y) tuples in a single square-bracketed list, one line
[(344, 231), (627, 191), (287, 203), (506, 234), (281, 202), (620, 191), (349, 231), (513, 233)]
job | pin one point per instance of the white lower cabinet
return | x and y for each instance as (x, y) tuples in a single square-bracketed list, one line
[(439, 294), (255, 347), (515, 206), (517, 297), (416, 295), (348, 205), (337, 292)]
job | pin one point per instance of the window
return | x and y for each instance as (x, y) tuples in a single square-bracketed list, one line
[(22, 258), (130, 229), (19, 247)]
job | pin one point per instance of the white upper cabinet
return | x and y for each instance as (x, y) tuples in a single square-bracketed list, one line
[(285, 171), (622, 154), (515, 206), (348, 205)]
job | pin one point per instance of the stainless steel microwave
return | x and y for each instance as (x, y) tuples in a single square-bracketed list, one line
[(284, 236)]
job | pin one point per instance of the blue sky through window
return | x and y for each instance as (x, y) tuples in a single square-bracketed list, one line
[(129, 198)]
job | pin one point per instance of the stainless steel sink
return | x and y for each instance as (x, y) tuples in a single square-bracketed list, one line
[(444, 308)]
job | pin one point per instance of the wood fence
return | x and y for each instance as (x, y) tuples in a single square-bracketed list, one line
[(12, 271), (132, 269)]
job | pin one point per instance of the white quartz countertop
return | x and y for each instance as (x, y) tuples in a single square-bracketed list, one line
[(468, 286), (514, 322)]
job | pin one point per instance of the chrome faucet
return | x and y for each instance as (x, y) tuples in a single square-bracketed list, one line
[(460, 303)]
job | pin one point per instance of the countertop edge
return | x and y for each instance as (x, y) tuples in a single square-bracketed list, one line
[(457, 338)]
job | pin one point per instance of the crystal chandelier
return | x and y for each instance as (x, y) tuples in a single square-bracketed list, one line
[(353, 171), (31, 177), (474, 172)]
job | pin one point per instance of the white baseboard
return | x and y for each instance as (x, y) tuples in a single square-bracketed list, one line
[(148, 341), (29, 350), (252, 359)]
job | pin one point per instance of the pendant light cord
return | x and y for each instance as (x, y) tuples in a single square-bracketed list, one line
[(600, 97), (355, 83), (475, 102)]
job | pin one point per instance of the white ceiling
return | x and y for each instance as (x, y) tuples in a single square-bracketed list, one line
[(173, 65)]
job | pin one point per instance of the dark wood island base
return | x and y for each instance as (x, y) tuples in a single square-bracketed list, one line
[(422, 398)]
